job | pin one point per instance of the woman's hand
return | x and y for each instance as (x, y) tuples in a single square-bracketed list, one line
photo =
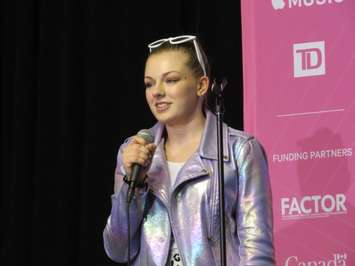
[(138, 152)]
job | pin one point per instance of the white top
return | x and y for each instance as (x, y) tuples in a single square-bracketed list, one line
[(174, 169), (174, 254)]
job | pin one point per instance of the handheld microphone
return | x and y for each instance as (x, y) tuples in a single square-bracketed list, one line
[(136, 168)]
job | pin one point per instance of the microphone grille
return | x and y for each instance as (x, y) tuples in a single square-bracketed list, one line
[(146, 135)]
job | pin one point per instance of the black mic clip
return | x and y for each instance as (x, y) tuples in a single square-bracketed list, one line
[(218, 87)]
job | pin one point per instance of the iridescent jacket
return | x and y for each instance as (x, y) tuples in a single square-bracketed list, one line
[(190, 209)]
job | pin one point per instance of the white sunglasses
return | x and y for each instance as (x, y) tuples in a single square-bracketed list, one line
[(178, 40)]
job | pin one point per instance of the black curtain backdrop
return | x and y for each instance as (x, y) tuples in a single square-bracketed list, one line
[(71, 92)]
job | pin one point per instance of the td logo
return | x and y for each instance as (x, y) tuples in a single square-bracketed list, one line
[(309, 59), (278, 4)]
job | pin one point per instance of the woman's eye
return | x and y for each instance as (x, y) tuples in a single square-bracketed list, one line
[(171, 81), (148, 85)]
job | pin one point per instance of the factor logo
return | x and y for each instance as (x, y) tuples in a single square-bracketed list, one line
[(313, 206)]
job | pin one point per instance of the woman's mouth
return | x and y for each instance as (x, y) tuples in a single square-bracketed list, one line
[(162, 106)]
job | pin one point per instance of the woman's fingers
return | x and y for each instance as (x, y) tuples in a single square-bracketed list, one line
[(151, 148), (139, 140), (137, 152)]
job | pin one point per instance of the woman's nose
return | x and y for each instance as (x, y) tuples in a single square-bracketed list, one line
[(158, 90)]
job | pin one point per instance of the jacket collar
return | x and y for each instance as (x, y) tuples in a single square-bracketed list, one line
[(208, 147)]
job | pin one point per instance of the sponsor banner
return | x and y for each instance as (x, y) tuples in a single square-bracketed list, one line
[(299, 101)]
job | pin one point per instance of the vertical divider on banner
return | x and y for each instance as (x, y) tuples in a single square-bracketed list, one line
[(249, 82)]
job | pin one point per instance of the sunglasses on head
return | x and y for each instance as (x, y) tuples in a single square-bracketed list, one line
[(179, 40)]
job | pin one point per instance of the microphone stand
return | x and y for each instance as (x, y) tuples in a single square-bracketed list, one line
[(217, 89)]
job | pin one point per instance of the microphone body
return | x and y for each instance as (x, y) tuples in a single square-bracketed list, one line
[(136, 168)]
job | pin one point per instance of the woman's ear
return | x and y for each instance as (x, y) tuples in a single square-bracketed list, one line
[(203, 84)]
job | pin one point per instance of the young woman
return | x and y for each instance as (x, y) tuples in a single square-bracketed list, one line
[(174, 214)]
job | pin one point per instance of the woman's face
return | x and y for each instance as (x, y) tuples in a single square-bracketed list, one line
[(173, 92)]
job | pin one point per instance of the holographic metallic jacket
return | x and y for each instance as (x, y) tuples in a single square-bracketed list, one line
[(190, 209)]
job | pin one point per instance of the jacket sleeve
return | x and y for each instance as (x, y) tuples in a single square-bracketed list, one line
[(254, 215), (115, 234)]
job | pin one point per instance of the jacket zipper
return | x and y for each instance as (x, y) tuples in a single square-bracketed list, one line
[(212, 208), (204, 172)]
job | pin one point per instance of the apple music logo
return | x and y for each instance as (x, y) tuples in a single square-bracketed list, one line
[(278, 4), (281, 4)]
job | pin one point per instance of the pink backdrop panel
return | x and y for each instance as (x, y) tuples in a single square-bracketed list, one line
[(299, 100)]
